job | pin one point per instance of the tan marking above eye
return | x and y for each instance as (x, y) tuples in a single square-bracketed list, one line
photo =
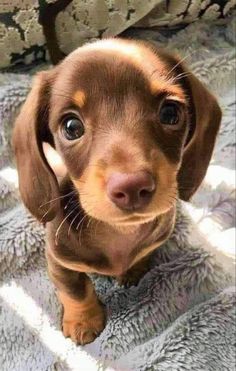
[(79, 98), (158, 86)]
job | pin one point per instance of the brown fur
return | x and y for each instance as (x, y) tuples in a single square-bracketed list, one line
[(117, 86)]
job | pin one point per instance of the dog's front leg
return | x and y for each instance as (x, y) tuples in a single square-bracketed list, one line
[(83, 314)]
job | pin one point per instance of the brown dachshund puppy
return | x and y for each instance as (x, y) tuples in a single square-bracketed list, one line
[(135, 131)]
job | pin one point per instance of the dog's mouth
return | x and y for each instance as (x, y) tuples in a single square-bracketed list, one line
[(132, 221), (125, 218), (128, 199), (105, 211)]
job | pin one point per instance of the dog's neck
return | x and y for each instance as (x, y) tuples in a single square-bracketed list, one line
[(100, 248), (119, 248)]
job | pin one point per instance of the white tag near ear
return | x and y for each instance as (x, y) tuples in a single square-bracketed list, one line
[(54, 160)]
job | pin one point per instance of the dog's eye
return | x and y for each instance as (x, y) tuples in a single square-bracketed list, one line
[(169, 113), (72, 128)]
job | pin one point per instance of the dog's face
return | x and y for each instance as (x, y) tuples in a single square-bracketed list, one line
[(120, 126), (129, 125)]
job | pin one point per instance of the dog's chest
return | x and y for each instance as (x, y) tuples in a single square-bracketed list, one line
[(120, 248), (119, 251)]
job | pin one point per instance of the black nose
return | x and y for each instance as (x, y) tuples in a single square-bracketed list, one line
[(131, 191)]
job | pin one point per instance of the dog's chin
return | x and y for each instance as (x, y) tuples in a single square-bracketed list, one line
[(129, 225), (133, 220), (128, 221)]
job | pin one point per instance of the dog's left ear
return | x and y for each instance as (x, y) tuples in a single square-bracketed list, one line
[(205, 116)]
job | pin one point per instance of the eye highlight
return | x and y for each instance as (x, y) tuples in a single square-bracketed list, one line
[(72, 128), (169, 113)]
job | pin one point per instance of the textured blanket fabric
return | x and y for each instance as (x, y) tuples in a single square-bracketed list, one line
[(181, 315)]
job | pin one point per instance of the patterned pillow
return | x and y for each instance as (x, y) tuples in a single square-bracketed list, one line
[(174, 12), (27, 26)]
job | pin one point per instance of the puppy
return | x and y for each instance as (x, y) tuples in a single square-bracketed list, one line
[(134, 131)]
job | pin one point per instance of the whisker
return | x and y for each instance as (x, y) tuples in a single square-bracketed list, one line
[(181, 75), (89, 222), (41, 220), (63, 221), (180, 61), (81, 221), (55, 199), (71, 202), (73, 220)]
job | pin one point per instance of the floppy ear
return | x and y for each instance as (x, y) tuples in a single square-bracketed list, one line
[(37, 182), (205, 116)]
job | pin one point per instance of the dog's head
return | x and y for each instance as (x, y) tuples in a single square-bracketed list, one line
[(133, 127)]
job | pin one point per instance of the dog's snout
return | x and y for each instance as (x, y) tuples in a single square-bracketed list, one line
[(131, 191)]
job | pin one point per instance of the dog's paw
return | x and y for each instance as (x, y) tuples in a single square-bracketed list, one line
[(86, 327)]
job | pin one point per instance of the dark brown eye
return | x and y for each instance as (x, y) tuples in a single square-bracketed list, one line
[(169, 113), (72, 128)]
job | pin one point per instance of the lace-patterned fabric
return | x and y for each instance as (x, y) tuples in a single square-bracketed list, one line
[(172, 13)]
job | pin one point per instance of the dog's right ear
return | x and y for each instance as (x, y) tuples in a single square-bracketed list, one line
[(37, 182)]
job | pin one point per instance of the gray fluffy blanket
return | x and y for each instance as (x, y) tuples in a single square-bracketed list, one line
[(181, 315)]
